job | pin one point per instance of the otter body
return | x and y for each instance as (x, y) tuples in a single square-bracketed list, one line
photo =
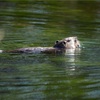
[(35, 50), (59, 47)]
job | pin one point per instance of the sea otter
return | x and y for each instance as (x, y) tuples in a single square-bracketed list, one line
[(59, 47)]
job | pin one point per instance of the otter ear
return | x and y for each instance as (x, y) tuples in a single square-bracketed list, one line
[(57, 41), (64, 42)]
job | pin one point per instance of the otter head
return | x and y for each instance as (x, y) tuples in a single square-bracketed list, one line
[(68, 43)]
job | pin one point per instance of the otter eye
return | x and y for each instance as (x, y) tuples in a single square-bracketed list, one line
[(75, 40), (56, 41), (68, 40)]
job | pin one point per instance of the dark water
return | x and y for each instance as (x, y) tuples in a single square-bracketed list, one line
[(49, 77)]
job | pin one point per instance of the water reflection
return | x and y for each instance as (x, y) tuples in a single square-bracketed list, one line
[(68, 60), (71, 55)]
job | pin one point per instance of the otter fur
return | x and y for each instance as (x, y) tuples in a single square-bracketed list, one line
[(59, 47)]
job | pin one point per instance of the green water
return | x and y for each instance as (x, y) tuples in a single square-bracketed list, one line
[(44, 76)]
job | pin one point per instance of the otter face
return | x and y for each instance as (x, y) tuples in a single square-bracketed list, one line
[(68, 43)]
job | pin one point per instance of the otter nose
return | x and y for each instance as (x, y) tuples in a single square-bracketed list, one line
[(78, 46)]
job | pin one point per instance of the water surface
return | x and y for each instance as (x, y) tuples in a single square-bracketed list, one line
[(44, 76)]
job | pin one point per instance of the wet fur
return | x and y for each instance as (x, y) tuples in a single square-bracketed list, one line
[(59, 47)]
